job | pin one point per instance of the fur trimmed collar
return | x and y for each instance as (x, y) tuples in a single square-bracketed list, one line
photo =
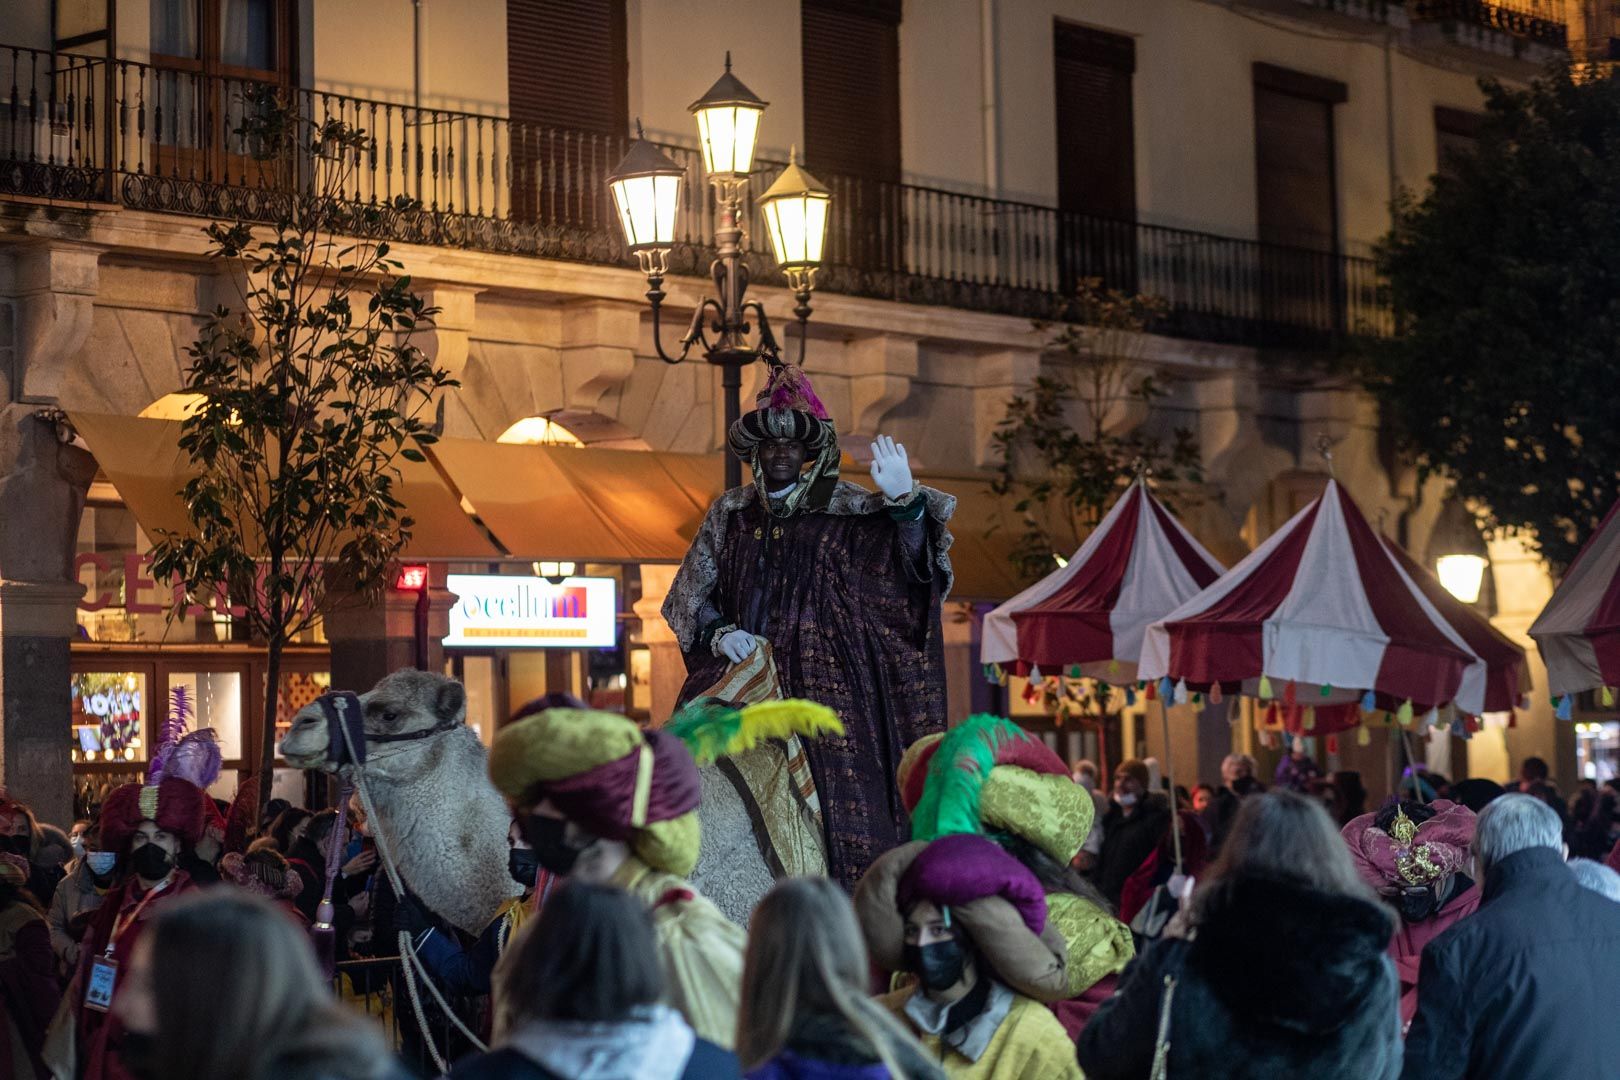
[(1289, 956)]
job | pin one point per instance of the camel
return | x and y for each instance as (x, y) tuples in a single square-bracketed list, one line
[(444, 822)]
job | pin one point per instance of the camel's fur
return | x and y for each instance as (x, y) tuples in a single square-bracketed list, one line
[(443, 821)]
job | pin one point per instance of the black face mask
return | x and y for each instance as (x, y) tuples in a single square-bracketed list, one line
[(151, 862), (137, 1053), (16, 845), (524, 867), (546, 836), (938, 965), (1416, 905)]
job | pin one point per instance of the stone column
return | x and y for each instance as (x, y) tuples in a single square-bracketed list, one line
[(668, 665), (43, 481), (369, 641)]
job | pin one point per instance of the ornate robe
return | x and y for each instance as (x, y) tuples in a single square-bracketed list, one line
[(850, 600)]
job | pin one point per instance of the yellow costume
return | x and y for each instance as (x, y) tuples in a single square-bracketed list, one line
[(701, 950), (1029, 1044), (1044, 808)]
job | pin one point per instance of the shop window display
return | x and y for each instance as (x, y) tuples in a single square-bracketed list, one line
[(109, 716)]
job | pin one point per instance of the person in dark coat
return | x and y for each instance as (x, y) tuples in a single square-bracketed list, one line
[(579, 993), (1518, 989), (1132, 828), (1279, 966)]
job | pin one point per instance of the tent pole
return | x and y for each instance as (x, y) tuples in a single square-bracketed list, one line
[(1170, 771), (1411, 763)]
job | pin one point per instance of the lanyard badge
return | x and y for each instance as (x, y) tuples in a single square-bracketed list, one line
[(98, 989)]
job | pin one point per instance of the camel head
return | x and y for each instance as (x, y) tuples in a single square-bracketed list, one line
[(403, 707), (428, 777)]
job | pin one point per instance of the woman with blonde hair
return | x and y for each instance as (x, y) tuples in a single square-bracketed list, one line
[(1277, 967), (805, 1013)]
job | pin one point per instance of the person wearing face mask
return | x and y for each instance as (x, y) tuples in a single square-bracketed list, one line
[(1132, 828), (1416, 856), (958, 1006), (150, 827), (463, 969), (78, 896), (46, 847), (604, 802)]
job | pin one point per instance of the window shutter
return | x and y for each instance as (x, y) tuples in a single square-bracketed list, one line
[(1294, 158), (1096, 142), (566, 64), (851, 55), (1456, 133)]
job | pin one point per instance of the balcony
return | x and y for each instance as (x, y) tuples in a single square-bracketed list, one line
[(92, 132), (1521, 36), (1367, 18)]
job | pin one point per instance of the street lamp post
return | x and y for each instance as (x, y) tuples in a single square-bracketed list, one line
[(646, 188)]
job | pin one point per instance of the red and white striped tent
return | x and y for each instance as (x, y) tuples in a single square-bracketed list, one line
[(1321, 615), (1137, 565), (1578, 632)]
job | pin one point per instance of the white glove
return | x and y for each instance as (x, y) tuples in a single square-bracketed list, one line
[(1181, 887), (891, 469), (738, 645)]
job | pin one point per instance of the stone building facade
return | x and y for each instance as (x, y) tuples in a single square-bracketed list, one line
[(922, 325)]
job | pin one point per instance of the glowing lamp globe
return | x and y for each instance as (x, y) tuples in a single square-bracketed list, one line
[(646, 190), (728, 124), (795, 212), (1462, 575)]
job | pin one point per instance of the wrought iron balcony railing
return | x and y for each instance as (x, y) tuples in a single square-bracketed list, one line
[(127, 133), (1539, 21)]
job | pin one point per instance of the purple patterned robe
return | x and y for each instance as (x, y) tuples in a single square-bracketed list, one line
[(853, 615)]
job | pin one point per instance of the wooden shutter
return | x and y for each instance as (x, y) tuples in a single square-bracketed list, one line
[(1294, 158), (566, 64), (1096, 139), (851, 55), (1456, 132)]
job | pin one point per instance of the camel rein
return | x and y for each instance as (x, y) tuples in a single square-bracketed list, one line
[(411, 965)]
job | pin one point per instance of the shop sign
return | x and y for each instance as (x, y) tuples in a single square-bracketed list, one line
[(505, 611)]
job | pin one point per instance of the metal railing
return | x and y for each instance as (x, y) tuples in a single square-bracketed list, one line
[(374, 987), (151, 138), (1540, 21)]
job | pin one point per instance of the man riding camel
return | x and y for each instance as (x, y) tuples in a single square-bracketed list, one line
[(845, 584)]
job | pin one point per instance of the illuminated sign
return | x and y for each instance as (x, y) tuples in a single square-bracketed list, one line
[(411, 579), (505, 611)]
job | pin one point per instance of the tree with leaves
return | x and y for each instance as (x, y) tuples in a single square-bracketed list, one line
[(309, 392), (1505, 280), (1064, 458)]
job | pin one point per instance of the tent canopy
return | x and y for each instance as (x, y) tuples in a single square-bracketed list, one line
[(1322, 605), (1138, 565), (1578, 632)]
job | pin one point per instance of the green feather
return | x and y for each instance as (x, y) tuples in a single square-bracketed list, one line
[(956, 775), (707, 726)]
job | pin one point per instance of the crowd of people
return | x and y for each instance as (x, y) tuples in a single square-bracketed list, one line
[(1032, 927)]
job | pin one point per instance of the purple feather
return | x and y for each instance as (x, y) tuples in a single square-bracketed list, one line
[(175, 725)]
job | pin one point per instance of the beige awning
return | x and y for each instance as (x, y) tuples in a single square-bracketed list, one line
[(584, 505), (144, 461), (577, 504)]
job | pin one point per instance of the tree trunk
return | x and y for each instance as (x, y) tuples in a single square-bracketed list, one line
[(267, 739)]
